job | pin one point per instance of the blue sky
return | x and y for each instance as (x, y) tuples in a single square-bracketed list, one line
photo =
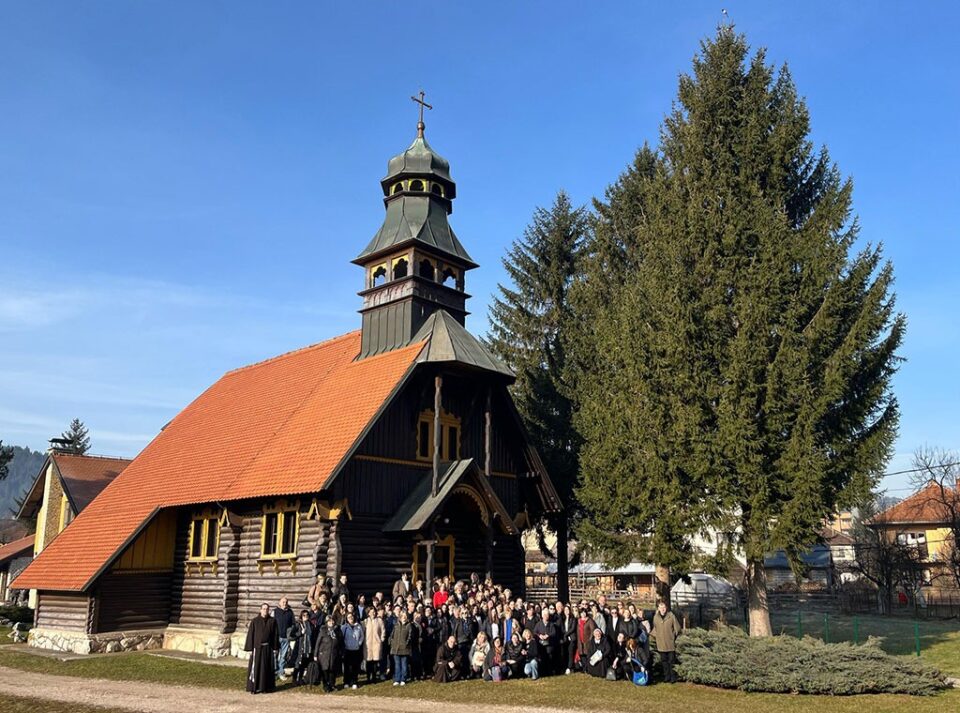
[(182, 185)]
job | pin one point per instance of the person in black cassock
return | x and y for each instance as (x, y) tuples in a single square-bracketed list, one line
[(598, 655), (262, 643), (449, 661)]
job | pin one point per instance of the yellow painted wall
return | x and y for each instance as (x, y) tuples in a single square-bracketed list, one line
[(153, 548), (938, 542)]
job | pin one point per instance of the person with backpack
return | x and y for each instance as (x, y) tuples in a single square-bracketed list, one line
[(401, 642), (666, 629)]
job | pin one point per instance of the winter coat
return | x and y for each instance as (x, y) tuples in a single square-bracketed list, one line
[(666, 629), (401, 640), (401, 589), (374, 634), (352, 636), (303, 636), (328, 647), (582, 641)]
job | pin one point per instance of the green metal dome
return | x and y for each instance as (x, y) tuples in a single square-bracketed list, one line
[(419, 159)]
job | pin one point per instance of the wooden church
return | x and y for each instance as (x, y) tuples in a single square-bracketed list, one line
[(393, 448)]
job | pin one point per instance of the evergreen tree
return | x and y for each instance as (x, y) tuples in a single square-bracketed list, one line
[(6, 455), (79, 440), (741, 368), (528, 324)]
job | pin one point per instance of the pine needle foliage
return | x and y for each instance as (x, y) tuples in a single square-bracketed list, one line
[(734, 362), (728, 658), (530, 319), (78, 437)]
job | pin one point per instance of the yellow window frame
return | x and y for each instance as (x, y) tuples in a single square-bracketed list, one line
[(204, 518), (280, 510), (447, 541), (64, 513), (447, 420)]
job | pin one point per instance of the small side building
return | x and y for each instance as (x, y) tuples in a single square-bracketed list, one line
[(64, 486)]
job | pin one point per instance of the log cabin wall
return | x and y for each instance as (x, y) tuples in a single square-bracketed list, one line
[(260, 580), (230, 538), (133, 600), (385, 470), (70, 611), (373, 560), (198, 599)]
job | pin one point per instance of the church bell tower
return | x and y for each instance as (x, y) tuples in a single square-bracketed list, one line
[(415, 264)]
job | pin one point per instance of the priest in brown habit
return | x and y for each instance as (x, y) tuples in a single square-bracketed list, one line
[(262, 643)]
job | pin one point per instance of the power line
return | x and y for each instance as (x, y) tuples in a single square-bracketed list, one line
[(918, 470)]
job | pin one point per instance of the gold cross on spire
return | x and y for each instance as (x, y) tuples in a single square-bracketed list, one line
[(419, 100)]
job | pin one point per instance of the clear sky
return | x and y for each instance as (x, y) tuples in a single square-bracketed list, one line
[(182, 185)]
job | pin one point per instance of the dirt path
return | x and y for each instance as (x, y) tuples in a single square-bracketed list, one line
[(158, 698)]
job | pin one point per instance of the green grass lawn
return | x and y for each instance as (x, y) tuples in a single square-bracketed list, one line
[(5, 635), (939, 640), (574, 692)]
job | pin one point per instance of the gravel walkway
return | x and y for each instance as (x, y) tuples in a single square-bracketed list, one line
[(158, 698)]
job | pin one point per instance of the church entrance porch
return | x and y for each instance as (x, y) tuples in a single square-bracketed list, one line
[(456, 527)]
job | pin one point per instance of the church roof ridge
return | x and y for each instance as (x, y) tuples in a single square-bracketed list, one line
[(61, 454), (292, 352)]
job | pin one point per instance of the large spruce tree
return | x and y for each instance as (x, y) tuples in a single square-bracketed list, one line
[(735, 377), (529, 320)]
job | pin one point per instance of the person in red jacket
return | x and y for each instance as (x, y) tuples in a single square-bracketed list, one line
[(441, 596)]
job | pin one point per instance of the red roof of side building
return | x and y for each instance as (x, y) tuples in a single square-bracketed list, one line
[(16, 548), (927, 506), (85, 476), (278, 427)]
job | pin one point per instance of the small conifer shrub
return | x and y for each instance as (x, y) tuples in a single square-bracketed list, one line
[(728, 658)]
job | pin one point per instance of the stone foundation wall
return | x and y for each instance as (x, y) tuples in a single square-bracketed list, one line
[(211, 644), (76, 642)]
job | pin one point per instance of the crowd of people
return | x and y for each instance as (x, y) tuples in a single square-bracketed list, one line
[(452, 631)]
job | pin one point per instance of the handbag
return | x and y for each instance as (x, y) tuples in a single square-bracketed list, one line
[(640, 677), (611, 674)]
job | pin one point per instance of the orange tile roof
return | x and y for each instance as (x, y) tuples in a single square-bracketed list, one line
[(278, 427), (15, 548), (85, 476), (926, 506)]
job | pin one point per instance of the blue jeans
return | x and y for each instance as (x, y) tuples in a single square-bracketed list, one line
[(400, 668), (531, 669), (282, 656)]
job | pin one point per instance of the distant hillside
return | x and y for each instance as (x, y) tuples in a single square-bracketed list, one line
[(23, 469)]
